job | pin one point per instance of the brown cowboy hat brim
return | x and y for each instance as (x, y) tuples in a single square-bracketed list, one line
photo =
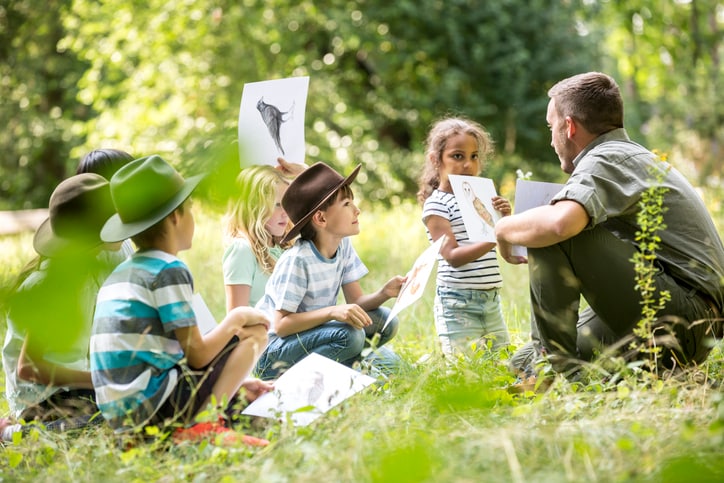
[(297, 227)]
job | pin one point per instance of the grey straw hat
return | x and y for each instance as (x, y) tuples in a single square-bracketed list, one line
[(144, 192), (310, 190), (78, 208)]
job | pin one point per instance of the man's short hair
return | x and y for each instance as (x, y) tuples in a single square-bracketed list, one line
[(592, 99)]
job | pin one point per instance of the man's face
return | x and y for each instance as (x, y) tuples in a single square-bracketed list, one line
[(564, 147)]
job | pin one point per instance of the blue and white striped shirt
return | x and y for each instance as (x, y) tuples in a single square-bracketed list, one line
[(481, 274), (134, 351), (303, 280)]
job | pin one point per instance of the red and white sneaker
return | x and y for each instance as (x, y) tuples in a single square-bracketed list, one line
[(216, 433)]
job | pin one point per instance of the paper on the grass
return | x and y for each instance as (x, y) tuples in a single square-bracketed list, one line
[(417, 279), (204, 318), (310, 388), (529, 194), (474, 195), (271, 121)]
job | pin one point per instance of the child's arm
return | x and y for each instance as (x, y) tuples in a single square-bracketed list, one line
[(34, 368), (456, 255), (353, 293), (200, 350), (237, 295), (288, 323)]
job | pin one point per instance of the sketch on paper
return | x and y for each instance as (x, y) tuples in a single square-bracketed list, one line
[(416, 281), (478, 205), (310, 388), (474, 195), (271, 121)]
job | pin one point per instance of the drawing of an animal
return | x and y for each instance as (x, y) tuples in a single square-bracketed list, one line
[(274, 118)]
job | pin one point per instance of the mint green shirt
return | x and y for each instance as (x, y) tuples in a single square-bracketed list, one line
[(240, 267)]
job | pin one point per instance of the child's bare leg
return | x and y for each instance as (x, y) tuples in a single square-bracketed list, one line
[(239, 364)]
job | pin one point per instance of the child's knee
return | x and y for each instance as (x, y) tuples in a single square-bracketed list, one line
[(356, 341), (391, 329), (255, 335)]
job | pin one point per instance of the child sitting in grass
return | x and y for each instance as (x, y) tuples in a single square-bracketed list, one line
[(50, 311), (150, 363), (301, 294)]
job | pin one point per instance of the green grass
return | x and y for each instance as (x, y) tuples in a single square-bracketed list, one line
[(433, 422)]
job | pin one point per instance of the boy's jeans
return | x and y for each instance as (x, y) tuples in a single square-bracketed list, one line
[(336, 340)]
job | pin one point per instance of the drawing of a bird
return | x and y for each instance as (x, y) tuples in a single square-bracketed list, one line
[(480, 208), (274, 118), (483, 211)]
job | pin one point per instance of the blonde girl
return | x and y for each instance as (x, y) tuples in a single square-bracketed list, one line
[(255, 224), (467, 303)]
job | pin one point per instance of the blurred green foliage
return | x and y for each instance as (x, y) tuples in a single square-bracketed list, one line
[(167, 77)]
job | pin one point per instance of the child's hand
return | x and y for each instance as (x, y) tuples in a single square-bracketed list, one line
[(393, 286), (290, 169), (247, 316), (253, 388), (501, 205), (351, 314)]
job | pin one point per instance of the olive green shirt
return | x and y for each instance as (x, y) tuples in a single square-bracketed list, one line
[(609, 178)]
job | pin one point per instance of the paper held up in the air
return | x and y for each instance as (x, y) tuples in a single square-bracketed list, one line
[(271, 121), (310, 388), (416, 281), (529, 194), (474, 195), (204, 318)]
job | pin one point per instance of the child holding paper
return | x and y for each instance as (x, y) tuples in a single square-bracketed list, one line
[(467, 301), (301, 295)]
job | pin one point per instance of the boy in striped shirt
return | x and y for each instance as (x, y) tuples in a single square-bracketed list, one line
[(150, 364)]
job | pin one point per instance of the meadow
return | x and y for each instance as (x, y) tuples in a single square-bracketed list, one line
[(434, 421)]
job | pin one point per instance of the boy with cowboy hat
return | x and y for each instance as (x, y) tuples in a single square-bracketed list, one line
[(50, 310), (150, 363), (301, 294)]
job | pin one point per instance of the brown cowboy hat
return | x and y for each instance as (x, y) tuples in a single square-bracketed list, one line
[(144, 192), (310, 190), (78, 208)]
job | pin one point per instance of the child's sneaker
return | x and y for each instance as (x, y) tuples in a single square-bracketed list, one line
[(216, 433), (529, 380)]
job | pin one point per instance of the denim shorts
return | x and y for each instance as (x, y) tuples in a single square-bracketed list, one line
[(466, 319)]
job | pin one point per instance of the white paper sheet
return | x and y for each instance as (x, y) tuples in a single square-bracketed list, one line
[(308, 389), (271, 121)]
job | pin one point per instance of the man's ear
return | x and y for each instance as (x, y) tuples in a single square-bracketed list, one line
[(570, 127)]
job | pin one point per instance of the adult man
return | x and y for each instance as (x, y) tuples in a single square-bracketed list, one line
[(583, 242)]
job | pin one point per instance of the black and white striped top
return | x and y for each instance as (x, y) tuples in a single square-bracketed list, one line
[(481, 274)]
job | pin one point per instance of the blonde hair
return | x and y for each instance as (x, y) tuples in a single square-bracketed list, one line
[(435, 144), (246, 217)]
